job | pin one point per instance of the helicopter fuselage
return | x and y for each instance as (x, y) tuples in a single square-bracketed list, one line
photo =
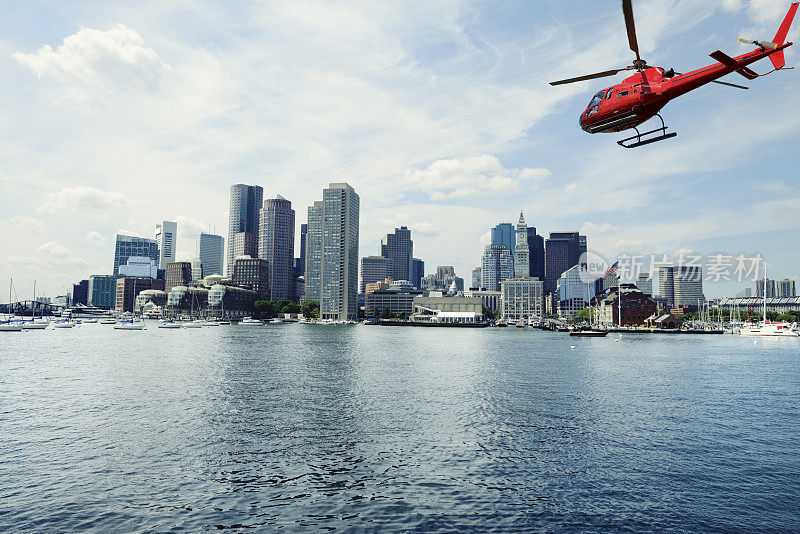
[(640, 97)]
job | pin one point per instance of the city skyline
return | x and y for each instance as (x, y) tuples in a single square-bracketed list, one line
[(516, 152)]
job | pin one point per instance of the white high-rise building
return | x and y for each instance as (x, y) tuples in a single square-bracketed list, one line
[(210, 250), (522, 258), (166, 235), (332, 253)]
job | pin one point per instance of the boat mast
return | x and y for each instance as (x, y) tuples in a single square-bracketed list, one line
[(765, 292)]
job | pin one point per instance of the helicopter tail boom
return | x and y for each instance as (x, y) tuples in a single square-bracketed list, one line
[(778, 59)]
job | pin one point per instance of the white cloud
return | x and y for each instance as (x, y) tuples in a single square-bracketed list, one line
[(24, 223), (91, 62), (83, 199), (470, 177), (94, 237), (60, 256), (590, 228)]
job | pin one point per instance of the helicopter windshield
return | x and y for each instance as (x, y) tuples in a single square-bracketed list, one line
[(596, 99)]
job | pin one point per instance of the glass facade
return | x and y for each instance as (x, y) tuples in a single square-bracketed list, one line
[(522, 299), (496, 266), (573, 294), (210, 250), (276, 245), (128, 246), (245, 204)]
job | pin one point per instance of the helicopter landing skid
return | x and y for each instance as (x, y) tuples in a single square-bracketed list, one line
[(662, 135)]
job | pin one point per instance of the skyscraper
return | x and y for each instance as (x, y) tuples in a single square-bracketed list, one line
[(210, 250), (245, 203), (417, 272), (166, 235), (301, 263), (562, 251), (332, 253), (522, 257), (374, 269), (785, 288), (399, 248), (444, 276), (770, 288), (127, 246), (476, 278), (252, 273), (504, 234), (666, 284), (496, 266), (536, 254), (276, 245), (688, 285)]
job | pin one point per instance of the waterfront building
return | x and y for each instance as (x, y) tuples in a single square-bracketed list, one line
[(102, 290), (80, 293), (399, 248), (770, 288), (522, 256), (496, 266), (128, 288), (210, 250), (139, 266), (417, 272), (374, 269), (437, 303), (252, 273), (521, 299), (785, 288), (562, 251), (245, 204), (491, 299), (688, 283), (178, 274), (574, 294), (645, 283), (383, 302), (774, 304), (166, 236), (332, 253), (476, 278), (276, 245), (636, 306), (197, 269), (129, 246)]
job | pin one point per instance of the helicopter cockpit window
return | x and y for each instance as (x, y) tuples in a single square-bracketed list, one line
[(597, 98)]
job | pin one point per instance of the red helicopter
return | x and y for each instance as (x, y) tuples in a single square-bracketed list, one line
[(641, 96)]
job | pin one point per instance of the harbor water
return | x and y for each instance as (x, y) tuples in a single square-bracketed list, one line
[(368, 428)]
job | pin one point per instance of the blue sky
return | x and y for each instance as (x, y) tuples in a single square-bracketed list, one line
[(115, 115)]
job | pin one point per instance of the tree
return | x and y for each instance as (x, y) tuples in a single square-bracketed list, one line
[(489, 314), (264, 309), (310, 309), (584, 315)]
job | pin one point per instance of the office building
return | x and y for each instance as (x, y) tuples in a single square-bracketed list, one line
[(399, 248), (390, 303), (128, 288), (574, 294), (417, 272), (80, 293), (210, 250), (197, 269), (245, 205), (374, 269), (166, 236), (496, 266), (102, 290), (178, 274), (252, 273), (561, 252), (522, 256), (139, 267), (745, 293), (770, 288), (127, 246), (332, 253), (666, 284), (300, 264), (476, 278), (582, 249), (505, 234), (444, 276), (276, 245), (428, 282), (688, 283), (492, 300), (645, 283), (521, 299), (535, 254), (785, 288)]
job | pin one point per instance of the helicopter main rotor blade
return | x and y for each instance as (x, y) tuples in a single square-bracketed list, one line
[(731, 85), (627, 10), (590, 76)]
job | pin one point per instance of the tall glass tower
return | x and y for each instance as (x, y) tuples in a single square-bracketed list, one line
[(246, 201), (276, 245)]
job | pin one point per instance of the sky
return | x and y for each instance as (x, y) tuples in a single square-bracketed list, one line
[(117, 115)]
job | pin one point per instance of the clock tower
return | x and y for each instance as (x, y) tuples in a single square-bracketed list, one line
[(521, 251)]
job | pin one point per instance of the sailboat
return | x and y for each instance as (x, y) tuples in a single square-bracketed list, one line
[(768, 328)]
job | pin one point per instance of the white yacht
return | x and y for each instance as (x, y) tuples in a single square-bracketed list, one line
[(10, 327), (768, 328), (129, 325), (193, 324), (166, 323), (64, 324), (249, 321)]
